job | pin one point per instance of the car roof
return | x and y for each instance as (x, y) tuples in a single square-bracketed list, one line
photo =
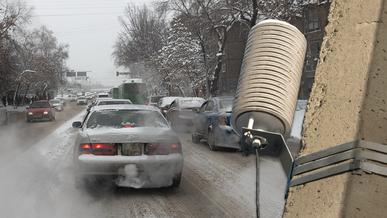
[(190, 98), (103, 99), (223, 98), (111, 99), (125, 107)]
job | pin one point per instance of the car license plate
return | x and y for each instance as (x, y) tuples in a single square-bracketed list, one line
[(131, 149)]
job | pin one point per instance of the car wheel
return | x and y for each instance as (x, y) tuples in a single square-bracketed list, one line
[(195, 138), (211, 141), (176, 181)]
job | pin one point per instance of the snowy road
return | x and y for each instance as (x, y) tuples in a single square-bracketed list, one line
[(37, 180)]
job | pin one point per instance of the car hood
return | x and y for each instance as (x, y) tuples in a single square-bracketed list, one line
[(138, 134)]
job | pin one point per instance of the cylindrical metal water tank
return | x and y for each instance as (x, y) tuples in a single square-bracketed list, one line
[(270, 77)]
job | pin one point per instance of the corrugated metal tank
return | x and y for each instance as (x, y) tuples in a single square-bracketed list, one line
[(270, 77)]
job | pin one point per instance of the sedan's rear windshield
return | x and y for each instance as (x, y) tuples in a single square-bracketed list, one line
[(126, 119), (113, 102), (225, 105), (40, 105), (190, 103)]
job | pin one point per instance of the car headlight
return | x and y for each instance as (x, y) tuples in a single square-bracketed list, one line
[(46, 112), (30, 113)]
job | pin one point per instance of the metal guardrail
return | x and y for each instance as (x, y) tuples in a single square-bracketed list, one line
[(357, 155)]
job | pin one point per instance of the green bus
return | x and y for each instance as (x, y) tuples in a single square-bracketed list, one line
[(135, 91), (115, 93)]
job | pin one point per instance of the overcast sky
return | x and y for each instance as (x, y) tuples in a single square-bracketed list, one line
[(89, 27)]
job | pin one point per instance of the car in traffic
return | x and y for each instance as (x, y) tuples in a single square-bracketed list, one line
[(154, 100), (103, 95), (212, 124), (81, 100), (72, 98), (164, 103), (108, 101), (63, 101), (180, 113), (57, 104), (40, 110), (132, 145)]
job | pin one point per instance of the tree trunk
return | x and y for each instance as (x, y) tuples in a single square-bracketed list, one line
[(219, 64), (255, 13)]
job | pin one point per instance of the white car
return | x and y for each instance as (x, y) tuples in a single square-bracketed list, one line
[(132, 145), (57, 104), (81, 101), (108, 101), (103, 95)]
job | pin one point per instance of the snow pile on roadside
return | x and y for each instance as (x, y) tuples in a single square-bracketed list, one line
[(38, 181)]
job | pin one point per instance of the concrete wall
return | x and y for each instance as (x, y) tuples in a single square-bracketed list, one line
[(348, 102)]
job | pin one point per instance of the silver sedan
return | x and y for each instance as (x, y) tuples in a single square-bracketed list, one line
[(131, 144)]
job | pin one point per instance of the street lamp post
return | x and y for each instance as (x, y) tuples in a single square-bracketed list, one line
[(18, 79)]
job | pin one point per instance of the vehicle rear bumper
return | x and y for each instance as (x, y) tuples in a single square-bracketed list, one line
[(133, 171)]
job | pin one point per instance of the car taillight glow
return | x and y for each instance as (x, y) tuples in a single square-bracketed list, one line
[(45, 112), (162, 149), (85, 149), (98, 149)]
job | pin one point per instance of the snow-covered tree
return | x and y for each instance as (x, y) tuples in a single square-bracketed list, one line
[(212, 20), (180, 62)]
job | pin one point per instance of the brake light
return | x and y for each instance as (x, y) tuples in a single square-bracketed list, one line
[(162, 149), (85, 149), (98, 149)]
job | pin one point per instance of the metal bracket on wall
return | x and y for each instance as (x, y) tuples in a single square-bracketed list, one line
[(357, 155)]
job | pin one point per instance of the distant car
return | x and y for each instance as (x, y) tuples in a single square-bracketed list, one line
[(72, 98), (103, 95), (40, 110), (62, 100), (3, 114), (57, 104), (164, 104), (180, 112), (132, 145), (212, 123), (154, 100), (81, 101), (108, 101)]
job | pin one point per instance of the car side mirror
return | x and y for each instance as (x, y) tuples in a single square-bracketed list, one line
[(77, 124), (196, 110)]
